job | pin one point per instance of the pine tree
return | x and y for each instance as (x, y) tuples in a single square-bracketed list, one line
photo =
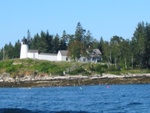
[(88, 40), (56, 44), (35, 42), (77, 47), (79, 33), (101, 44), (1, 54), (49, 41), (17, 49)]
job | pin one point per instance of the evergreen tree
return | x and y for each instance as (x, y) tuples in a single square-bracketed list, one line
[(88, 40), (79, 33), (16, 51), (1, 54), (101, 44), (29, 38), (62, 45), (49, 41), (94, 44), (77, 46), (106, 52), (9, 51), (63, 41), (35, 42), (65, 37), (56, 44), (43, 43)]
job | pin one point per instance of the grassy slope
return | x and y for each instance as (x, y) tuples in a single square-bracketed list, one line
[(21, 67)]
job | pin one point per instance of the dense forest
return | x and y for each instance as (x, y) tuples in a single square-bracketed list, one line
[(120, 52)]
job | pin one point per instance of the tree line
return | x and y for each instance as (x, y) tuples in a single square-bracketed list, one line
[(133, 53)]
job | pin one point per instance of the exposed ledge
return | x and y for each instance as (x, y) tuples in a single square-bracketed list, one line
[(47, 81)]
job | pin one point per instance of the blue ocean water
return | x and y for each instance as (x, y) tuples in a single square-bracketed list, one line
[(78, 99)]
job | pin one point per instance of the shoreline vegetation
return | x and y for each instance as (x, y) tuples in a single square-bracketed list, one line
[(36, 73)]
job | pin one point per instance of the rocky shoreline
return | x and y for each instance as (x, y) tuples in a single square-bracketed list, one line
[(49, 81)]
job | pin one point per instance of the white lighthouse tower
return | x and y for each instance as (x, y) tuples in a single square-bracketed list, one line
[(24, 49)]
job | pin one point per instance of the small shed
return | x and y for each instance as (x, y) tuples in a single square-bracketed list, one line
[(62, 55)]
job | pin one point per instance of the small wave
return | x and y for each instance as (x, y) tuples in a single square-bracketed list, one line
[(134, 103), (123, 95), (71, 112), (17, 110)]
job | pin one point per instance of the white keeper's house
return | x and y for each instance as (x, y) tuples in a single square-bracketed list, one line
[(93, 56)]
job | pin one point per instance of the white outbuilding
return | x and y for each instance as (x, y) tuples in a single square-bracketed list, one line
[(62, 55)]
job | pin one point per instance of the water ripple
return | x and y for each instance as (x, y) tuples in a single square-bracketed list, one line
[(16, 110), (91, 99), (134, 103)]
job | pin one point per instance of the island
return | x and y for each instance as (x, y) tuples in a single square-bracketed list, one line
[(38, 73)]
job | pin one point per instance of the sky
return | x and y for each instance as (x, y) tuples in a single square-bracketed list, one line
[(103, 18)]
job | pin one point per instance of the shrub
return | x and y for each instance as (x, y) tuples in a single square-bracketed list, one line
[(5, 64), (113, 70), (78, 71), (13, 68), (98, 68), (43, 67)]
